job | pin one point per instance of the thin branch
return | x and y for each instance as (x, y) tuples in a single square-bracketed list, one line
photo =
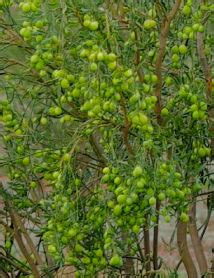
[(156, 237), (160, 56), (126, 128)]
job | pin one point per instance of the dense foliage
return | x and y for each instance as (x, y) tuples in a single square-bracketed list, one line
[(107, 124)]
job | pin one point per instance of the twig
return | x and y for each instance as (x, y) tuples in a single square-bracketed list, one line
[(126, 128)]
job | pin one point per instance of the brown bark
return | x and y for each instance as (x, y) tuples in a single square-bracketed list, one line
[(184, 251), (160, 56), (147, 248), (197, 245), (156, 236), (25, 253), (208, 79)]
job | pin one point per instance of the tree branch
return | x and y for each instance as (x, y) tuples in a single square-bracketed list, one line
[(196, 242), (160, 56), (184, 251)]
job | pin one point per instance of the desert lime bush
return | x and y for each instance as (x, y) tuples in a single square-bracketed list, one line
[(106, 111)]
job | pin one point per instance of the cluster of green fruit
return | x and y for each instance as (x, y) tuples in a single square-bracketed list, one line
[(88, 80), (30, 6)]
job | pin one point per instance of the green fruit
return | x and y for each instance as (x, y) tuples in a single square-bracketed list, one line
[(117, 180), (128, 73), (167, 218), (149, 24), (152, 201), (121, 199), (84, 53), (43, 121), (186, 10), (164, 112), (116, 261), (93, 25), (26, 161), (136, 229), (184, 217), (93, 67), (143, 119), (175, 49), (161, 196), (141, 183), (52, 249), (117, 210), (106, 170), (72, 233), (100, 56), (175, 58), (34, 59), (138, 171), (86, 23), (183, 49), (65, 84), (57, 111), (111, 57), (112, 65), (202, 152), (195, 115), (26, 7)]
